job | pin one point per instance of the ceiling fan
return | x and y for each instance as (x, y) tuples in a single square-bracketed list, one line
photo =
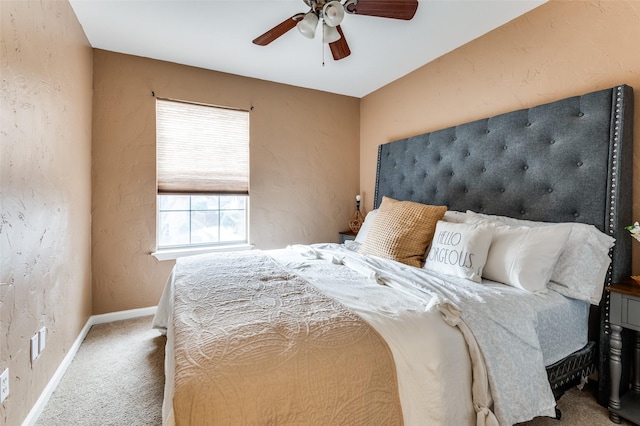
[(331, 14)]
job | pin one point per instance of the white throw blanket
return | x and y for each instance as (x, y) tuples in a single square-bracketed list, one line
[(432, 361), (498, 317)]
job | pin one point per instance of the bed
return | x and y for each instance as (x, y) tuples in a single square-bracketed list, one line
[(334, 334)]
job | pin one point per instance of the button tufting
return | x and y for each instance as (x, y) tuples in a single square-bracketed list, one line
[(576, 214), (487, 131), (579, 163), (550, 190), (552, 141), (580, 114), (528, 124), (522, 211), (468, 153), (484, 169), (504, 147), (525, 167), (502, 189)]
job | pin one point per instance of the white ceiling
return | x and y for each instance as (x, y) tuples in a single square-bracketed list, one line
[(217, 35)]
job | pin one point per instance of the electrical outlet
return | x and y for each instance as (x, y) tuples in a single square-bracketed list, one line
[(34, 347), (4, 385), (42, 338)]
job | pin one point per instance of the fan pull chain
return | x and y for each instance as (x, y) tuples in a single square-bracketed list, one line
[(322, 44)]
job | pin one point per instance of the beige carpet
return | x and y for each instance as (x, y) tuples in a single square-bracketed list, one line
[(579, 408), (117, 378)]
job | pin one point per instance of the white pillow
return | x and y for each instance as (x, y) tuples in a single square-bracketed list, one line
[(364, 229), (583, 264), (454, 216), (593, 268), (524, 256), (459, 249)]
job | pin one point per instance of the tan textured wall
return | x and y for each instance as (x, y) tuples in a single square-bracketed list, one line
[(304, 166), (559, 49), (45, 181)]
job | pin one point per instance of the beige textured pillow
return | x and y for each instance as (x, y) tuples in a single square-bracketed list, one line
[(402, 231)]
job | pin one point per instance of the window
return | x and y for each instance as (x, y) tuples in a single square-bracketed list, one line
[(187, 220), (203, 175)]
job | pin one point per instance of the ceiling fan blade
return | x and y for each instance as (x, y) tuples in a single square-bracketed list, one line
[(278, 30), (340, 49), (396, 9)]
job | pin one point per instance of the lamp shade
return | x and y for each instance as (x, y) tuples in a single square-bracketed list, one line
[(329, 34), (307, 26), (333, 13)]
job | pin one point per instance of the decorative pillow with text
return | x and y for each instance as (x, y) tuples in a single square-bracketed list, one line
[(460, 249)]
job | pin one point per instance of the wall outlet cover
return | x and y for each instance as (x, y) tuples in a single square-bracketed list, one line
[(34, 347), (42, 339), (4, 385)]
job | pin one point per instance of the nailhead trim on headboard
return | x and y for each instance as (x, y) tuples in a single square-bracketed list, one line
[(612, 208)]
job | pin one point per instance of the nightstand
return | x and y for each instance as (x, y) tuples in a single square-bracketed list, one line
[(624, 312), (346, 236)]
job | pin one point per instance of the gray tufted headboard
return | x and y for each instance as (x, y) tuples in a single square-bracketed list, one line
[(565, 161)]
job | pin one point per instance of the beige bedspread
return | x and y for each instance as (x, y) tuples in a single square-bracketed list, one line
[(256, 345)]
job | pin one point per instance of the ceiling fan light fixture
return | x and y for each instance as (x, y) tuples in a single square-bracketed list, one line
[(333, 13), (329, 34), (307, 25)]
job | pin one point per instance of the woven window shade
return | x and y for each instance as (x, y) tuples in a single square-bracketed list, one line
[(201, 149)]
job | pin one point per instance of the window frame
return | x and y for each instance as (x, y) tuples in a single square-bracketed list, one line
[(168, 252)]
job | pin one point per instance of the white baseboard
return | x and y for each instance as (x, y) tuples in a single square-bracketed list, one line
[(122, 315), (38, 407)]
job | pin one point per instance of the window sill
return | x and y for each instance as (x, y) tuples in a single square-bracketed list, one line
[(172, 254)]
